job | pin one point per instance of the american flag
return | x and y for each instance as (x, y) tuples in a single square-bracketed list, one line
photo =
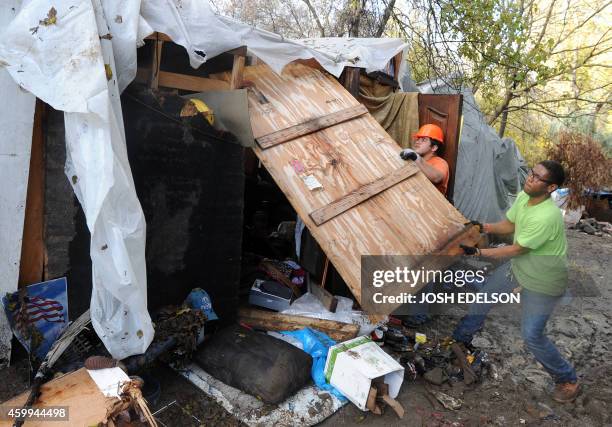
[(37, 308)]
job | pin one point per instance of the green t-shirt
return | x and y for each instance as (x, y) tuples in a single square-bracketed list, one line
[(540, 228)]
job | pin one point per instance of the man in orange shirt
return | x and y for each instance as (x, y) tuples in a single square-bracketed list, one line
[(428, 143)]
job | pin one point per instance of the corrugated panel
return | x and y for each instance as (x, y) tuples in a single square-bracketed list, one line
[(347, 159)]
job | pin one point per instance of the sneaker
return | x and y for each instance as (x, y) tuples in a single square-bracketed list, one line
[(566, 392)]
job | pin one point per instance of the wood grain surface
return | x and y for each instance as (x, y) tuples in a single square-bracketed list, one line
[(87, 406), (409, 218)]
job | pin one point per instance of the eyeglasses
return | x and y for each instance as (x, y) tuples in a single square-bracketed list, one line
[(534, 175)]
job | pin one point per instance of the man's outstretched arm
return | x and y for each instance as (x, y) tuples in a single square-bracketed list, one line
[(501, 227), (504, 251)]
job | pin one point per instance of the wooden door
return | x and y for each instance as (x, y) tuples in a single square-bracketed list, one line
[(444, 111)]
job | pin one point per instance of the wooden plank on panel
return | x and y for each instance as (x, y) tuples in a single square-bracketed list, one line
[(363, 193), (32, 247), (310, 126), (271, 321)]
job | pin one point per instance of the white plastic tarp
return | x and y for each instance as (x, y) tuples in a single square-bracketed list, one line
[(65, 64), (15, 146), (77, 56)]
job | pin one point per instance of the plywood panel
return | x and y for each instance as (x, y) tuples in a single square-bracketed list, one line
[(410, 218), (87, 406)]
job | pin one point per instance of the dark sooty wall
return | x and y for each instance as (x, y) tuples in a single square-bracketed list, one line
[(190, 182)]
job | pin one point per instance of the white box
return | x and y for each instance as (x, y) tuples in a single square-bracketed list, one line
[(352, 365)]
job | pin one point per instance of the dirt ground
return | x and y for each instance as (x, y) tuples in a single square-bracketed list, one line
[(582, 328)]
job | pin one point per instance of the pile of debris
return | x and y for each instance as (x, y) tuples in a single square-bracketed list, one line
[(436, 361), (594, 227)]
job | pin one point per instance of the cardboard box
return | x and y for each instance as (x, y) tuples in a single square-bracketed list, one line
[(351, 367)]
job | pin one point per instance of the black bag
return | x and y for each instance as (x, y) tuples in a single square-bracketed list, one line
[(256, 363)]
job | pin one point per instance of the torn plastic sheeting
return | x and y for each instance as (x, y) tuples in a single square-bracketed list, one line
[(126, 30), (15, 146), (193, 25), (333, 53), (64, 64)]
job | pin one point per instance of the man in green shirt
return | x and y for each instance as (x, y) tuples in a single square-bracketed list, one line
[(537, 269)]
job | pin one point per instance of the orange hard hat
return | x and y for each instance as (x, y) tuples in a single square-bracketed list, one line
[(431, 131)]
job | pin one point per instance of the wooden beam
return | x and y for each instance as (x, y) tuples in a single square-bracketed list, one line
[(33, 246), (241, 51), (310, 126), (156, 62), (351, 80), (192, 83), (182, 81), (363, 193), (237, 71), (271, 321), (159, 36)]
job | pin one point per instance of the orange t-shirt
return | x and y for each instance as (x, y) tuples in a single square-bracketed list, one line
[(440, 164)]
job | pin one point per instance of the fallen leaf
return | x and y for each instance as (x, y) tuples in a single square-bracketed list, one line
[(109, 71), (51, 18)]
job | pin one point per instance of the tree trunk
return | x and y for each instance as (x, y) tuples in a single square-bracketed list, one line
[(316, 17), (502, 125), (355, 20), (385, 19)]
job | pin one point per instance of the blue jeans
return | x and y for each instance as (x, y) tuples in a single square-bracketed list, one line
[(536, 310)]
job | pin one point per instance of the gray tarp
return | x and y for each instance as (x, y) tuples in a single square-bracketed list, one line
[(490, 170)]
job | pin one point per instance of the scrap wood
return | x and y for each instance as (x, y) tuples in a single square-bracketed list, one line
[(371, 402), (383, 397), (469, 376), (329, 301), (131, 398), (278, 275), (271, 321), (54, 353), (76, 390)]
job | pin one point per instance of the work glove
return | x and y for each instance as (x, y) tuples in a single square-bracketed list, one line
[(470, 250), (409, 154)]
